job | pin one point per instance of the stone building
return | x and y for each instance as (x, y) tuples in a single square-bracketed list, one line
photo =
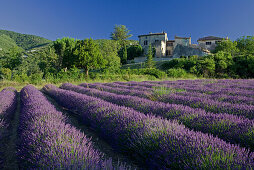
[(209, 43), (167, 48), (157, 40)]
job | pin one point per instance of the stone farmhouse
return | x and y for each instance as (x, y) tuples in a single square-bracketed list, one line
[(180, 46)]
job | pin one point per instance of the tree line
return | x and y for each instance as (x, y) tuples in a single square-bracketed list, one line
[(230, 59), (68, 53)]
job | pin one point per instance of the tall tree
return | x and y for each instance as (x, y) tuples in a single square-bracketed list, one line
[(227, 46), (125, 55), (246, 45), (64, 49), (120, 33), (149, 59), (88, 55)]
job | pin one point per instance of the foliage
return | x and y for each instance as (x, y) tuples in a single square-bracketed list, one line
[(12, 58), (149, 59), (6, 43), (109, 50), (176, 72), (25, 41), (246, 45), (223, 64), (125, 55), (227, 46), (134, 51), (5, 73), (154, 72), (244, 66), (120, 33), (88, 55), (64, 48), (48, 60)]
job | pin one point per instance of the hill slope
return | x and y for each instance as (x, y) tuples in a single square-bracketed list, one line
[(25, 41)]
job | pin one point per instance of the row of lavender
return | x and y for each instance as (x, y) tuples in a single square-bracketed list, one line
[(8, 104), (157, 142), (234, 129), (195, 102), (144, 86), (47, 141), (242, 88)]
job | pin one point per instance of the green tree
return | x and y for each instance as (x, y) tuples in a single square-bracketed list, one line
[(109, 50), (223, 63), (48, 60), (12, 59), (227, 46), (246, 45), (134, 51), (244, 66), (149, 57), (120, 33), (206, 66), (88, 55), (125, 56), (64, 48)]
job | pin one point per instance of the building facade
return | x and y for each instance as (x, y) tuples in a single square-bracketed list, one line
[(166, 48), (209, 43), (157, 40)]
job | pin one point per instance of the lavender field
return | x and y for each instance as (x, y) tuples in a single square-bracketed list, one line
[(184, 124)]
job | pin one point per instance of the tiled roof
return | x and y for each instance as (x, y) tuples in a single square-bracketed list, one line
[(210, 38), (176, 37), (150, 34)]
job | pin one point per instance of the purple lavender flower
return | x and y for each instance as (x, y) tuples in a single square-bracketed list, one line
[(47, 141), (157, 142)]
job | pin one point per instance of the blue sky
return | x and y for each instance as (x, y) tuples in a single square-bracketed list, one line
[(95, 19)]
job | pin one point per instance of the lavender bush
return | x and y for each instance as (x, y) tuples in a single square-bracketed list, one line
[(229, 127), (47, 141), (156, 142)]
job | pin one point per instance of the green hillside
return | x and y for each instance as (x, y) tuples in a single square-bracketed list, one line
[(24, 41), (7, 43)]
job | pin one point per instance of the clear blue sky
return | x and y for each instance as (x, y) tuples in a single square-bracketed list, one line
[(95, 19)]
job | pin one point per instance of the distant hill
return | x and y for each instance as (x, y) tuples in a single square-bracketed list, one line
[(6, 43), (25, 41)]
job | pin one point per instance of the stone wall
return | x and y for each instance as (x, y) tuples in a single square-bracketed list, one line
[(181, 50)]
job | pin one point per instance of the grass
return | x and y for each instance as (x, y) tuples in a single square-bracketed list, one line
[(100, 79), (142, 65)]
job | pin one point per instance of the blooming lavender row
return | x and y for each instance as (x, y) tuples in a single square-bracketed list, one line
[(194, 85), (195, 102), (46, 141), (8, 104), (118, 90), (219, 97), (226, 126), (157, 142), (212, 89)]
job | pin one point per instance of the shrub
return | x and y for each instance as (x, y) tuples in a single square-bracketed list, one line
[(5, 73), (154, 72), (176, 72)]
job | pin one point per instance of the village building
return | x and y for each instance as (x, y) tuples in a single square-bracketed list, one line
[(157, 40), (209, 43), (180, 46)]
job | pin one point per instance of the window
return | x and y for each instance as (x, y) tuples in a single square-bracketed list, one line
[(168, 52), (208, 43), (145, 42), (156, 41), (170, 44)]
